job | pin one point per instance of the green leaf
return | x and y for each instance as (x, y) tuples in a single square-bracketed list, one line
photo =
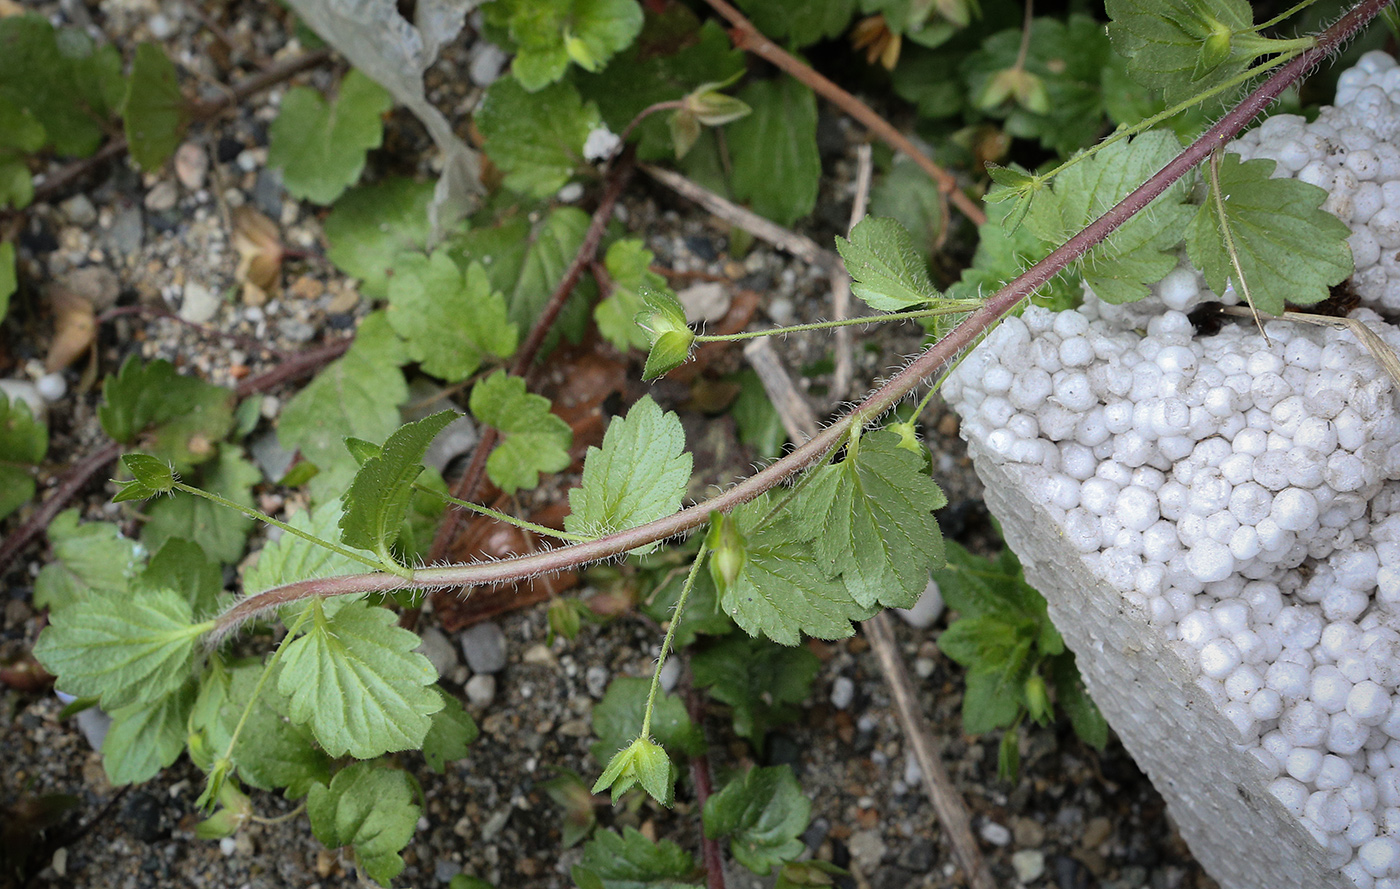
[(370, 808), (86, 557), (355, 678), (290, 559), (663, 321), (1144, 249), (974, 586), (425, 510), (1289, 249), (1074, 699), (812, 872), (644, 763), (450, 321), (629, 266), (640, 474), (1003, 252), (763, 812), (321, 148), (145, 738), (570, 793), (802, 21), (61, 78), (377, 502), (150, 478), (760, 425), (126, 649), (154, 113), (781, 589), (532, 439), (549, 33), (617, 719), (1184, 47), (907, 195), (1009, 756), (887, 270), (271, 752), (536, 139), (219, 531), (182, 566), (992, 700), (776, 168), (23, 443), (631, 861), (875, 511), (9, 283), (672, 56), (357, 396), (140, 396), (452, 731), (371, 228), (760, 681)]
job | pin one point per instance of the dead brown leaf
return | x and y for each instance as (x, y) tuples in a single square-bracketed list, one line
[(259, 246)]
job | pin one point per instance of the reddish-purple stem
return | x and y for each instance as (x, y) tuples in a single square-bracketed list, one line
[(923, 367)]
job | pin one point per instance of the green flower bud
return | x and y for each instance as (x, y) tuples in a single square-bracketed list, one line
[(644, 762), (727, 550)]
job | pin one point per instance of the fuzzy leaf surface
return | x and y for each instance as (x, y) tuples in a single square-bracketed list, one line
[(802, 21), (124, 649), (888, 271), (763, 812), (68, 84), (1074, 699), (155, 113), (1289, 248), (548, 34), (631, 861), (449, 320), (639, 475), (452, 732), (290, 559), (141, 395), (617, 719), (629, 266), (874, 512), (776, 167), (88, 556), (532, 439), (355, 678), (182, 566), (23, 442), (145, 738), (1163, 41), (760, 681), (536, 139), (377, 501), (370, 808), (321, 146), (219, 531), (1143, 250), (371, 227)]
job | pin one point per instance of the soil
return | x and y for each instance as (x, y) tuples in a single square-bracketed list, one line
[(1076, 818)]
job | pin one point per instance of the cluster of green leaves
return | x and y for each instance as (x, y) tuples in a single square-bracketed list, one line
[(1013, 654)]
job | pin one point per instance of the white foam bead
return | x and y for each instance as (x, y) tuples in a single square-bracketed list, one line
[(1268, 766), (1081, 530), (1353, 666), (1334, 773), (1357, 874), (1077, 461), (1251, 441), (1345, 735), (1292, 681), (1179, 287), (1303, 764), (1243, 683), (1091, 430), (1209, 561), (1290, 793), (1118, 417), (1368, 703), (1137, 508), (1266, 704), (1057, 423), (1264, 601), (1244, 543), (1237, 469), (1344, 471), (1197, 628), (996, 411), (1341, 603), (1294, 509), (1276, 744), (1329, 688), (1327, 810), (1209, 493), (1304, 724), (1364, 249), (1182, 602), (1380, 857), (1361, 828), (1388, 585), (1391, 724), (1219, 658), (1357, 567), (1339, 636), (1382, 659)]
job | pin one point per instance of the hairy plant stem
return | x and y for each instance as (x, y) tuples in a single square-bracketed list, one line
[(926, 365), (828, 325), (695, 568)]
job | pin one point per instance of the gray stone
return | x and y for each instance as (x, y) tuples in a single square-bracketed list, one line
[(267, 192), (273, 459), (485, 647), (487, 62), (191, 165), (94, 723), (596, 679), (918, 856), (162, 196), (79, 210), (867, 848), (200, 304), (125, 236), (438, 650), (481, 690), (706, 302), (1029, 864), (996, 834), (925, 611), (456, 439), (27, 392), (843, 691), (670, 674)]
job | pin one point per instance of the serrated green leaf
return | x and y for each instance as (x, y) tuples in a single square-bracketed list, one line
[(154, 113), (218, 530), (536, 139), (532, 439), (875, 511), (355, 678), (62, 78), (1003, 252), (23, 443), (776, 167), (672, 56), (182, 566), (290, 559), (140, 396), (639, 475), (1164, 41), (450, 321), (760, 425), (452, 731), (886, 269), (781, 589), (370, 808), (1141, 251), (628, 263), (617, 719), (93, 556), (1289, 249), (145, 738), (907, 195), (9, 283), (271, 752), (123, 648), (321, 147), (802, 21), (1074, 699), (357, 396), (974, 586), (377, 501), (371, 227), (763, 812), (631, 861), (425, 510), (990, 701), (762, 682), (813, 872), (549, 33)]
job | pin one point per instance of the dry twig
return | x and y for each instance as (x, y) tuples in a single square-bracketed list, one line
[(841, 281)]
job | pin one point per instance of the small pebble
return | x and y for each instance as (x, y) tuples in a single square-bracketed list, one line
[(670, 674), (27, 392), (925, 611), (781, 311), (162, 197), (435, 646), (1029, 864), (843, 691), (485, 647), (867, 848), (191, 165), (200, 304), (52, 386), (539, 655), (228, 847), (570, 193), (79, 210), (596, 679), (481, 690), (996, 834), (704, 303)]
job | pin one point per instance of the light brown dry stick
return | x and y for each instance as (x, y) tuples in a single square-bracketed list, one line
[(841, 281), (745, 36), (948, 804)]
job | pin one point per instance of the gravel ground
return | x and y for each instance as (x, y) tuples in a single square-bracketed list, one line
[(1076, 818)]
